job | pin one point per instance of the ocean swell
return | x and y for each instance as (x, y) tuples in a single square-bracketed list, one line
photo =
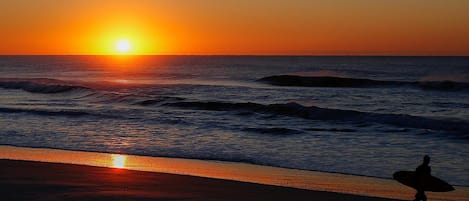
[(295, 80), (46, 86), (158, 100), (301, 81), (273, 130), (326, 114), (44, 112)]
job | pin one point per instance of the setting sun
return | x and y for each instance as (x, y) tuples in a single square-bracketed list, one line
[(123, 46)]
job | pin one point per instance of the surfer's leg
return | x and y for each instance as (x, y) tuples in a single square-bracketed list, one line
[(420, 196), (424, 197), (417, 197)]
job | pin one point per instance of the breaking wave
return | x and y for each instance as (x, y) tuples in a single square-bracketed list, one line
[(316, 113)]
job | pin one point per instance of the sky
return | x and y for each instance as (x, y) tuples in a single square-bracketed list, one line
[(234, 27)]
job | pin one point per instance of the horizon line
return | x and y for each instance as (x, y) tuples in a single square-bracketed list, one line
[(257, 55)]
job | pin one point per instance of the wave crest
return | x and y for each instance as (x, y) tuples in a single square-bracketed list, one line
[(327, 114), (301, 81), (46, 86), (273, 130), (43, 112)]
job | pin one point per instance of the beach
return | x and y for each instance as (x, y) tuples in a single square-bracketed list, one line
[(52, 174), (26, 180)]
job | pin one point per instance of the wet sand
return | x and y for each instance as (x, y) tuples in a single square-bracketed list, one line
[(27, 180), (20, 179)]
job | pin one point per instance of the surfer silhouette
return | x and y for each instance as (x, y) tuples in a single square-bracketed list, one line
[(423, 171), (422, 180)]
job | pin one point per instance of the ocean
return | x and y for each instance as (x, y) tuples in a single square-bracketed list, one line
[(367, 116)]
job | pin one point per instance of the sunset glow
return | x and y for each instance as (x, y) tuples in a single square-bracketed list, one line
[(363, 27)]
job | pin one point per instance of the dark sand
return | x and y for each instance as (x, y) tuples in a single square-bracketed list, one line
[(26, 180)]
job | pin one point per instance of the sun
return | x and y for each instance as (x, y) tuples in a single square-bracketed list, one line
[(123, 46)]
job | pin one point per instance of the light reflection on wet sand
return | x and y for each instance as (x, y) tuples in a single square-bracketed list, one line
[(118, 160), (232, 171)]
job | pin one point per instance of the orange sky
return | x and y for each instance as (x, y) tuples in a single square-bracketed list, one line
[(311, 27)]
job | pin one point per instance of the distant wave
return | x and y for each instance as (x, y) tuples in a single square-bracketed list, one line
[(295, 80), (443, 85), (40, 85), (159, 100), (44, 112), (344, 130), (128, 98), (273, 131), (316, 113)]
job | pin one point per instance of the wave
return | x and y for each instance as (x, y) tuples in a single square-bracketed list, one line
[(159, 100), (39, 85), (295, 80), (132, 98), (326, 114), (43, 112), (273, 131), (443, 85), (344, 130), (219, 106)]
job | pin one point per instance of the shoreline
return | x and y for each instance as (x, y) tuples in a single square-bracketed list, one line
[(192, 159), (240, 172), (29, 180)]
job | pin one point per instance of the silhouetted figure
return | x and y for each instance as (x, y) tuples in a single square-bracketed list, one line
[(423, 171)]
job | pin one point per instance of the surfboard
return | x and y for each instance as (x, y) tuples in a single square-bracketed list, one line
[(430, 183)]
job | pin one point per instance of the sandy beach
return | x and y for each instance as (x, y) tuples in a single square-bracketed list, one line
[(51, 174), (26, 180)]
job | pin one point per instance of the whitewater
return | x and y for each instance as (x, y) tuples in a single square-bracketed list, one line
[(356, 115)]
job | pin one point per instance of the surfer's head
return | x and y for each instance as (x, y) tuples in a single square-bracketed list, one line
[(426, 159)]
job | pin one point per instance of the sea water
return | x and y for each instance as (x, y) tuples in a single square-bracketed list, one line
[(215, 108)]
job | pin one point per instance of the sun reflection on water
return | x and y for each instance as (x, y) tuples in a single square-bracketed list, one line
[(118, 161)]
